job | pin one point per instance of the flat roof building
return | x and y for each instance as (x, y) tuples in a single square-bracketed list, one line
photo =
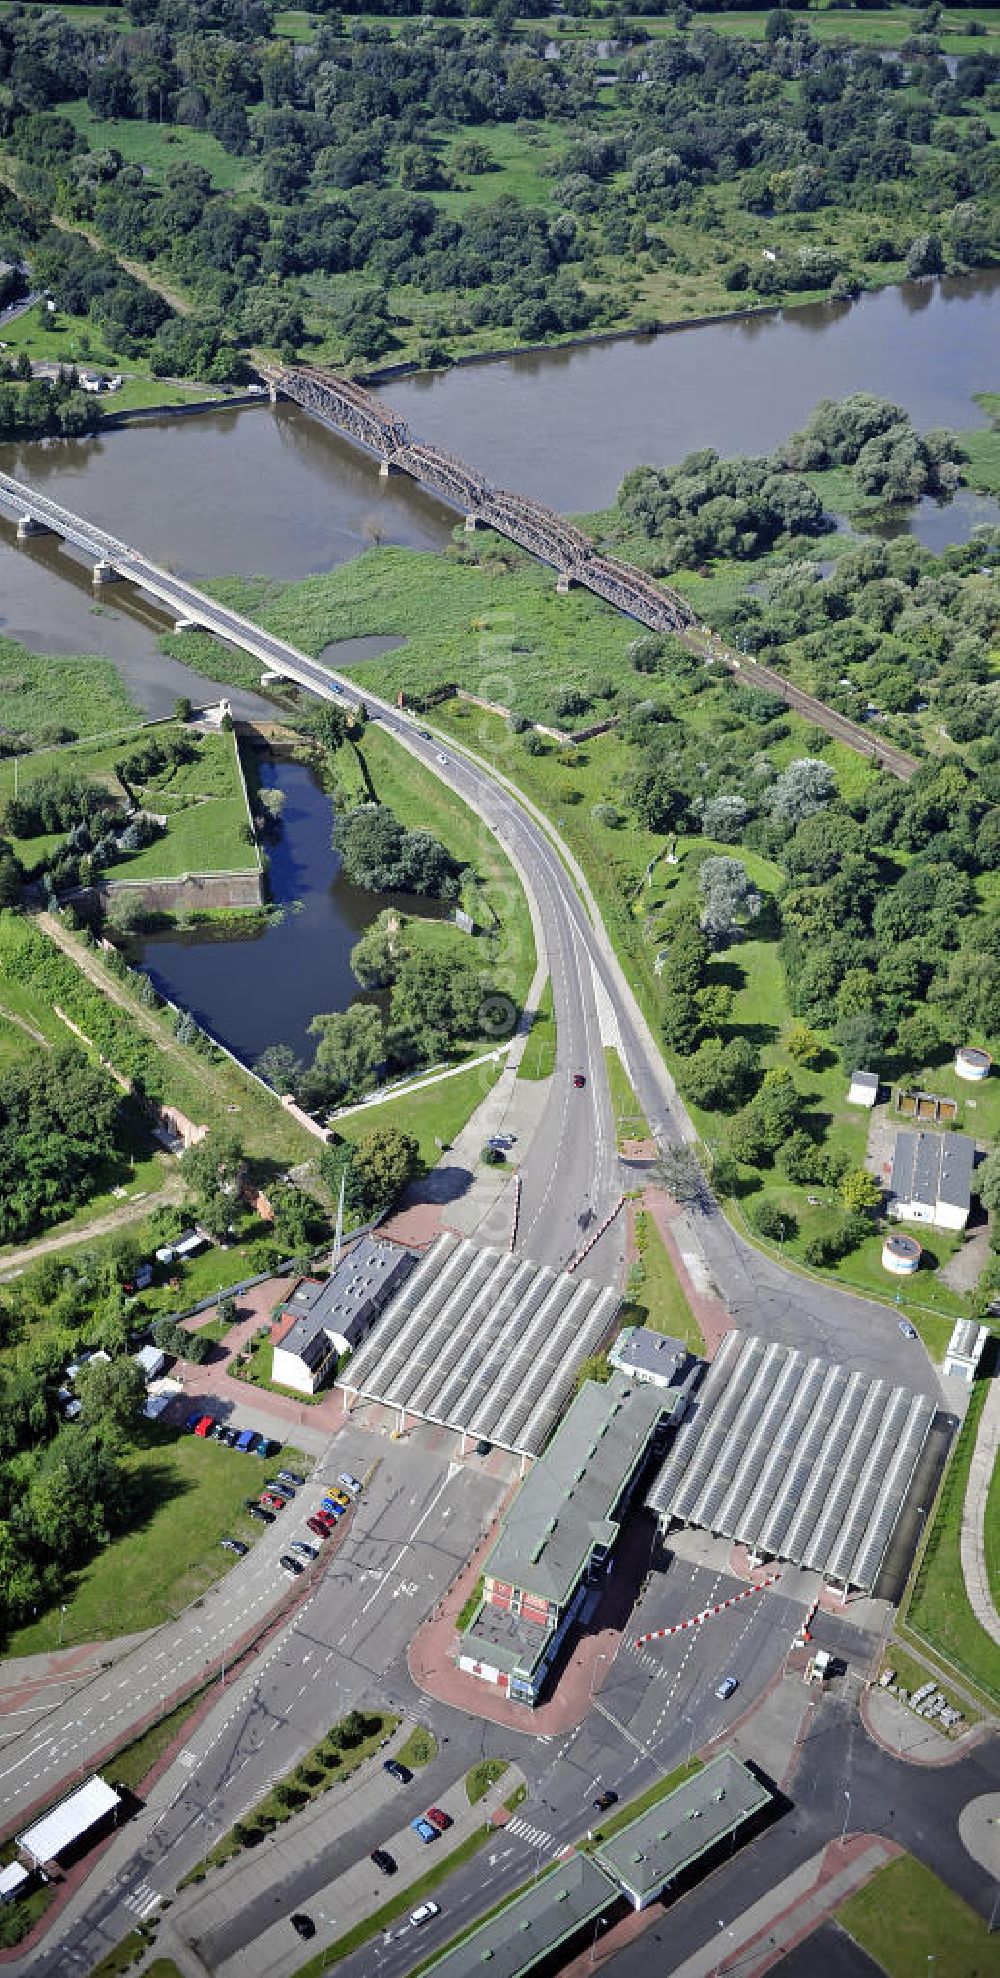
[(665, 1842), (560, 1532), (69, 1822), (533, 1926), (930, 1178)]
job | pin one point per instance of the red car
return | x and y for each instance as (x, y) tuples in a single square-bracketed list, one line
[(440, 1820), (273, 1503), (326, 1519), (205, 1426), (321, 1531)]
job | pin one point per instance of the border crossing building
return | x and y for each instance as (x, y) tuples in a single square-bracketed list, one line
[(560, 1533)]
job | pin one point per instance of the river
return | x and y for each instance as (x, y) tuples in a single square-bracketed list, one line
[(272, 491)]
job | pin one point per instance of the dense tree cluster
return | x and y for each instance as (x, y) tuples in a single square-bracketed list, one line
[(357, 132), (891, 461), (710, 507), (58, 1118), (379, 854)]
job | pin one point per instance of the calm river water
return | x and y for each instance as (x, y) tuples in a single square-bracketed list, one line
[(271, 491)]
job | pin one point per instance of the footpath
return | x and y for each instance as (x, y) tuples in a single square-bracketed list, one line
[(973, 1530)]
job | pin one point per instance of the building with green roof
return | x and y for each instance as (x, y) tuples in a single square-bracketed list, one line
[(569, 1902), (559, 1534), (663, 1844)]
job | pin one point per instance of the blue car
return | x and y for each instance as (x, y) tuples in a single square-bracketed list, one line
[(330, 1504), (425, 1830)]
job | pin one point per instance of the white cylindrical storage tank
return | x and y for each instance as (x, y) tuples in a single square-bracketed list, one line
[(972, 1064), (901, 1254)]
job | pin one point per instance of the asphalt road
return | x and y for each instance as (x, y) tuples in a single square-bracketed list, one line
[(355, 1627)]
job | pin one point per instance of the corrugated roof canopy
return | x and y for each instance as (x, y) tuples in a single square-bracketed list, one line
[(483, 1341), (796, 1457)]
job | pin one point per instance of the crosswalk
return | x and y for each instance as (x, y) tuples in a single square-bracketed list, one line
[(536, 1837), (142, 1899), (647, 1662)]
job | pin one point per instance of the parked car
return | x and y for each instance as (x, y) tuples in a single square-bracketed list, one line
[(426, 1829), (267, 1448), (330, 1514), (383, 1861), (284, 1491), (303, 1924), (726, 1688), (204, 1426), (321, 1531), (908, 1331), (396, 1771), (192, 1421), (219, 1432), (350, 1483), (307, 1551), (230, 1437), (245, 1439), (289, 1476), (290, 1565), (273, 1503), (604, 1800), (333, 1505), (442, 1821), (484, 1448), (262, 1517), (234, 1545), (423, 1913)]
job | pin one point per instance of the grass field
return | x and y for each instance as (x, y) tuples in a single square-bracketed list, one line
[(939, 1609), (191, 1494), (982, 469), (38, 692), (158, 147), (538, 1059), (654, 1294), (630, 1120), (433, 1116), (912, 1924), (202, 801)]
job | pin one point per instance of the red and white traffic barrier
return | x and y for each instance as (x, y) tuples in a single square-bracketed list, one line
[(807, 1623), (597, 1235), (695, 1620)]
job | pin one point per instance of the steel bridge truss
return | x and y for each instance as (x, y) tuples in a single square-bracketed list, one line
[(365, 418)]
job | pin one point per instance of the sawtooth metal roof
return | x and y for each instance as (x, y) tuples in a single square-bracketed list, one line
[(796, 1457), (483, 1341)]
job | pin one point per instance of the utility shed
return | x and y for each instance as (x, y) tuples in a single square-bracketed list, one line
[(666, 1841), (69, 1822), (543, 1920), (863, 1088), (965, 1349), (151, 1362)]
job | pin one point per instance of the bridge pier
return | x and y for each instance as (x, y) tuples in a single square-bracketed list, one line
[(385, 468), (470, 524), (104, 573), (563, 582), (272, 391), (27, 527)]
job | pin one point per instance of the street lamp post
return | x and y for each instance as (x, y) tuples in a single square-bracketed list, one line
[(847, 1813)]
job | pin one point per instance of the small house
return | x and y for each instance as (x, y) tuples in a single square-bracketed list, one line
[(323, 1320), (930, 1178), (864, 1088)]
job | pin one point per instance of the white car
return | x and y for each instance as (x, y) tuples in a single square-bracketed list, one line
[(727, 1688), (424, 1913), (442, 758), (350, 1483)]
